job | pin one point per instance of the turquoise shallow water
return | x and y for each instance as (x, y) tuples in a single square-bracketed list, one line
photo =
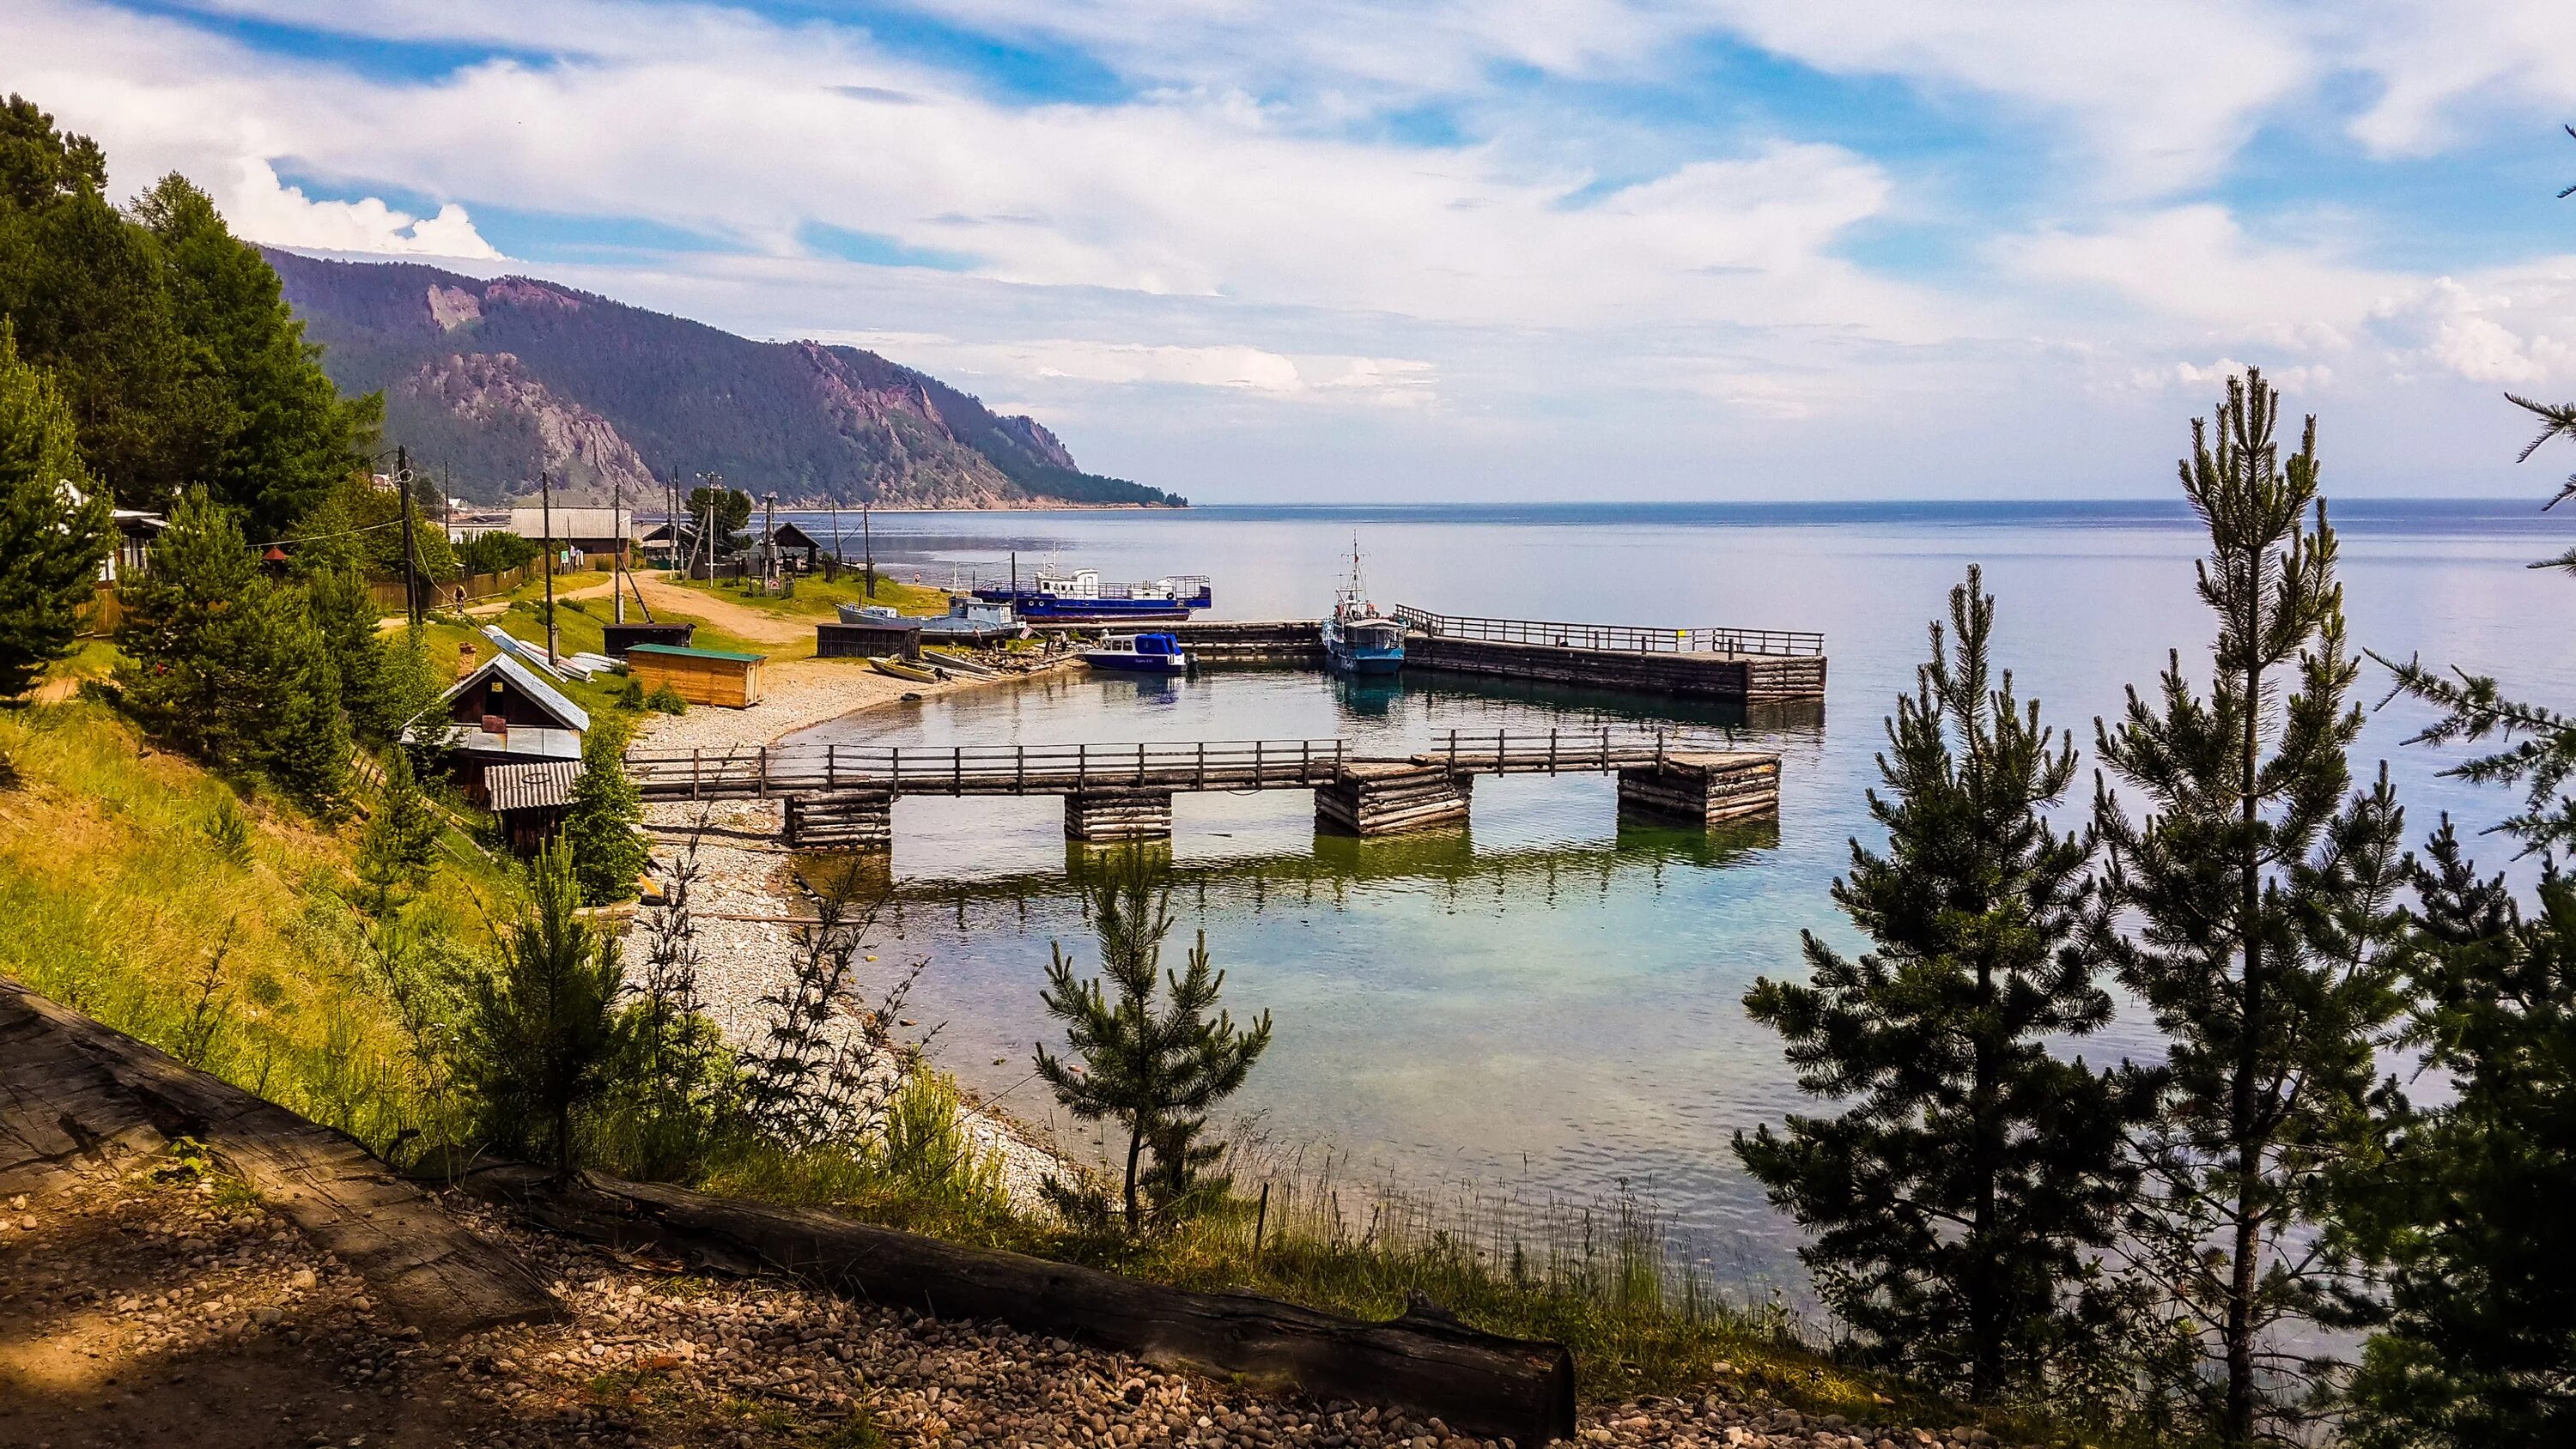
[(1549, 1003)]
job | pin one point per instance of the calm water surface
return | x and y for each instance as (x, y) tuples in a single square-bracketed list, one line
[(1550, 1002)]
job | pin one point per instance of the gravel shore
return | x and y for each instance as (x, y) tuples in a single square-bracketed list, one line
[(140, 1304), (747, 892)]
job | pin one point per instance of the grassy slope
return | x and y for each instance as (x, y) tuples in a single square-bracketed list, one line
[(126, 901)]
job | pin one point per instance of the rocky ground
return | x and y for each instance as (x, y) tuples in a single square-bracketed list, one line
[(748, 900), (143, 1302)]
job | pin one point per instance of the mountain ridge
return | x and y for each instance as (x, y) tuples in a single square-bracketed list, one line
[(494, 379)]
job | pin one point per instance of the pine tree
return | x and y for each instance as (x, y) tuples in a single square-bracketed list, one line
[(602, 828), (1959, 1201), (2461, 1226), (400, 845), (2259, 886), (298, 729), (188, 622), (53, 523), (2539, 743), (1154, 1068), (539, 1034)]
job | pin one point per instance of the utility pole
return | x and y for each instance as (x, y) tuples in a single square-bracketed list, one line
[(835, 505), (868, 532), (546, 491), (769, 544), (617, 565), (411, 570)]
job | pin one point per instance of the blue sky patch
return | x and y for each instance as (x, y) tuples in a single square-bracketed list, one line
[(876, 249)]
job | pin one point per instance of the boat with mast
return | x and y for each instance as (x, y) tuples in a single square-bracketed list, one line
[(1357, 638)]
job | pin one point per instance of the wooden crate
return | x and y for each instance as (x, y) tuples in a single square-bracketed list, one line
[(700, 676)]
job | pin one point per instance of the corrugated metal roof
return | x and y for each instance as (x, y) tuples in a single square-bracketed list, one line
[(538, 785), (522, 676)]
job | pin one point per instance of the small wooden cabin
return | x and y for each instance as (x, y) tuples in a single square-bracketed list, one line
[(500, 714), (700, 676), (531, 800)]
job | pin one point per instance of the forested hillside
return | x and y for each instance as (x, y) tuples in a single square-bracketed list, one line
[(499, 379)]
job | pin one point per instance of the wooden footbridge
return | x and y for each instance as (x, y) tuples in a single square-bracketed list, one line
[(842, 796)]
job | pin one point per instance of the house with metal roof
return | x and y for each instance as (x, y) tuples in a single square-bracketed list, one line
[(500, 714), (531, 799)]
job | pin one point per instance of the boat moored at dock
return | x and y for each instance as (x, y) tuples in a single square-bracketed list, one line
[(1357, 638), (1080, 595), (1139, 654)]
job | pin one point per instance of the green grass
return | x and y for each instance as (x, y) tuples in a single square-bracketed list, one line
[(134, 894), (816, 599)]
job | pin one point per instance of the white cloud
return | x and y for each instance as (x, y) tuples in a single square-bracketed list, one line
[(260, 208), (1381, 381)]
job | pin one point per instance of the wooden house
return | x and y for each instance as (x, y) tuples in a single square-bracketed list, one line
[(797, 550), (700, 676), (501, 713), (531, 800)]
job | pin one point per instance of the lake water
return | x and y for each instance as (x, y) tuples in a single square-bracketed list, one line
[(1549, 1003)]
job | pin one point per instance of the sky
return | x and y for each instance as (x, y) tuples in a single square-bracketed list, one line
[(1466, 249)]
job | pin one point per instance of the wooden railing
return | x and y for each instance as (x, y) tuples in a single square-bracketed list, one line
[(1078, 769), (991, 769), (1612, 638)]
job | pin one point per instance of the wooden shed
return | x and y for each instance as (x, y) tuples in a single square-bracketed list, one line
[(622, 637), (900, 637), (700, 676), (531, 800)]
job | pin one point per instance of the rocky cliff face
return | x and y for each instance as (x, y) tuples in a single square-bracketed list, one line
[(492, 393), (493, 381)]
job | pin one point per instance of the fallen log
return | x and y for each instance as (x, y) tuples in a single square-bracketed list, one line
[(70, 1087), (1425, 1363)]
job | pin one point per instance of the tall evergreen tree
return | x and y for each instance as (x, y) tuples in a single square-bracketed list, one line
[(540, 1032), (1959, 1202), (85, 288), (229, 665), (281, 435), (2462, 1224), (186, 633), (603, 826), (2259, 887), (53, 523), (1146, 1053)]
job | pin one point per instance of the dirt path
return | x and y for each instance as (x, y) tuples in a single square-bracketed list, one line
[(724, 613)]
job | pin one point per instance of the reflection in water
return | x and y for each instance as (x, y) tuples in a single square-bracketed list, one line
[(1444, 862)]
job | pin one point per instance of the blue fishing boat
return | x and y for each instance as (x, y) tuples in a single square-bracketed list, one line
[(1080, 595), (1139, 654), (1357, 638)]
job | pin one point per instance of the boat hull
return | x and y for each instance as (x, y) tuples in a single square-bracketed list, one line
[(1117, 662), (1365, 661), (1036, 607)]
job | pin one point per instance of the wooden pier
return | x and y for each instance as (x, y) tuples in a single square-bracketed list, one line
[(1747, 664), (841, 797), (1753, 665)]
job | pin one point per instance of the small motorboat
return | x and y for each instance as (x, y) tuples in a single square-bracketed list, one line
[(868, 613), (1139, 654), (902, 668)]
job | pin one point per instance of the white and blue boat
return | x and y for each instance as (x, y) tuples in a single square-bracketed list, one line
[(1139, 654), (1054, 597), (1357, 638)]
